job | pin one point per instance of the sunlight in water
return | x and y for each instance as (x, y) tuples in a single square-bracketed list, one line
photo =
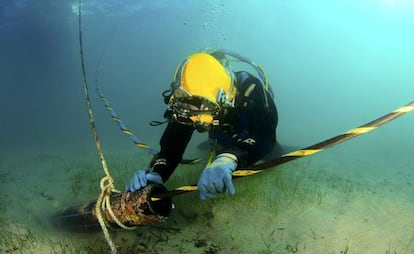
[(75, 8), (397, 3)]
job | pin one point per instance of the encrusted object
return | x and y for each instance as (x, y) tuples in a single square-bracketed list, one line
[(130, 208), (137, 208)]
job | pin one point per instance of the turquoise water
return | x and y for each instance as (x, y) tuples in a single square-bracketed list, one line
[(333, 65)]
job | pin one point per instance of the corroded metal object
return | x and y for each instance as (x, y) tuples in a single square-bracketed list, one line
[(137, 208), (130, 208)]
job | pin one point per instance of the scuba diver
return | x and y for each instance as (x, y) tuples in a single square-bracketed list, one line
[(237, 110)]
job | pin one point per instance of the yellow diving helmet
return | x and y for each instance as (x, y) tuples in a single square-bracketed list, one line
[(202, 87)]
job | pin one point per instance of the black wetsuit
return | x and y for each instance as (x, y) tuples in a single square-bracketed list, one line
[(248, 130)]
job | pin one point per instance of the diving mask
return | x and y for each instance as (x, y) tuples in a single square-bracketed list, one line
[(196, 110)]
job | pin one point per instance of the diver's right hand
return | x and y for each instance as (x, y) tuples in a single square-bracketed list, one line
[(142, 178)]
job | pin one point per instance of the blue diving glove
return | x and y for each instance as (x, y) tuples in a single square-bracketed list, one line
[(216, 178), (142, 178)]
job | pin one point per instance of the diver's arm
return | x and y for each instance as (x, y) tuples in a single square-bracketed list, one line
[(173, 143)]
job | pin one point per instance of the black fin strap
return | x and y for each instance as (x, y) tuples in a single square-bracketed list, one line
[(167, 93), (158, 123)]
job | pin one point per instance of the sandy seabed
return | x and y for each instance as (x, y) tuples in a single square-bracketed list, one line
[(298, 207)]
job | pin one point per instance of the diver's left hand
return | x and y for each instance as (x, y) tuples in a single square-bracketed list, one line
[(142, 178), (216, 178)]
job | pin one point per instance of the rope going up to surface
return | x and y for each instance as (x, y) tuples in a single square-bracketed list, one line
[(107, 182)]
